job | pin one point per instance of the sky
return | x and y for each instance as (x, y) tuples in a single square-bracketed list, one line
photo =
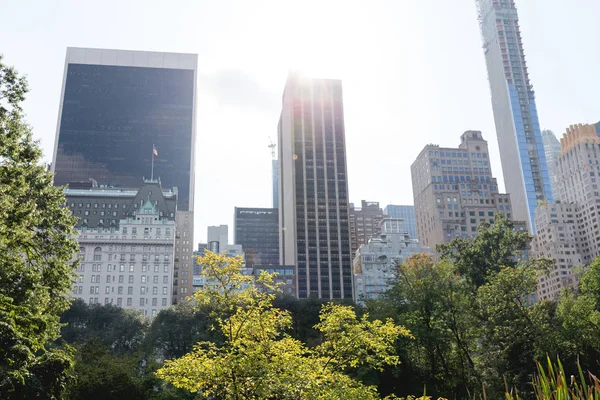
[(413, 73)]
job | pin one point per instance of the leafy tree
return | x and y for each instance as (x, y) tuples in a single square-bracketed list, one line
[(257, 360), (120, 329), (175, 330), (36, 252), (496, 245), (580, 317), (432, 301)]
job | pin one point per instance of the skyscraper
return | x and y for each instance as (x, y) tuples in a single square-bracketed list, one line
[(552, 150), (115, 105), (275, 178), (313, 189), (116, 108), (513, 100), (568, 232), (455, 191)]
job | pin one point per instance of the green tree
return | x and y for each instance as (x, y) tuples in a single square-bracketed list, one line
[(36, 252), (431, 300), (580, 318), (122, 330), (175, 330), (496, 245), (258, 360)]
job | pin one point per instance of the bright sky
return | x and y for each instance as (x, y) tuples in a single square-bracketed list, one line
[(413, 73)]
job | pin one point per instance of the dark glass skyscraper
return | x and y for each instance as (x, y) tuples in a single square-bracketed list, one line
[(115, 106), (513, 101), (313, 189), (257, 231)]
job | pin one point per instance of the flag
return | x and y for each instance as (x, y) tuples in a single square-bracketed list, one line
[(154, 151)]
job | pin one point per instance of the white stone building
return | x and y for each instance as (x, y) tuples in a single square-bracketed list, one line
[(130, 266), (375, 262)]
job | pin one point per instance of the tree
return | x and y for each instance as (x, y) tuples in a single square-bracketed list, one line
[(258, 360), (431, 301), (36, 253), (119, 329), (496, 245)]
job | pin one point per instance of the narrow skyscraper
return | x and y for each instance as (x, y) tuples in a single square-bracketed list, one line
[(513, 100), (313, 189), (552, 150)]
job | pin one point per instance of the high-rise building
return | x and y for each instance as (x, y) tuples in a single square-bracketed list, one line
[(513, 101), (116, 108), (552, 150), (313, 188), (454, 191), (365, 223), (375, 263), (275, 178), (126, 243), (407, 213), (257, 231), (568, 232)]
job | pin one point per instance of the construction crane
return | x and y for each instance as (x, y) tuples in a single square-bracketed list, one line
[(272, 146)]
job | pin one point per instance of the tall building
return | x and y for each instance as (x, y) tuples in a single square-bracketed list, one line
[(558, 239), (375, 263), (454, 191), (513, 101), (313, 188), (126, 243), (552, 150), (365, 223), (116, 108), (257, 231), (407, 213), (568, 232), (275, 179)]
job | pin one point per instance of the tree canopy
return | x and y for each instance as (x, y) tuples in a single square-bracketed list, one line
[(259, 360), (36, 253)]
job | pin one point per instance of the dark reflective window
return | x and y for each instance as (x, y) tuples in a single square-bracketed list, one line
[(111, 117)]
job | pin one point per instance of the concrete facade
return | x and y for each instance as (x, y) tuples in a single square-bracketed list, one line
[(313, 188), (454, 191), (515, 113), (568, 231), (365, 223), (129, 266), (375, 262)]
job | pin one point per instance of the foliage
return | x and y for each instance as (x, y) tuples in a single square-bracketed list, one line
[(554, 384), (119, 329), (496, 245), (175, 330), (258, 360), (36, 249)]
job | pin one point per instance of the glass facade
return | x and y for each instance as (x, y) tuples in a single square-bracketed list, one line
[(111, 117), (407, 213), (257, 231)]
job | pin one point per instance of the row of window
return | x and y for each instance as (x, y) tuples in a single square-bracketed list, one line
[(129, 302)]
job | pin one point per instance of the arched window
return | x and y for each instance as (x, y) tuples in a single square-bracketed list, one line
[(98, 254), (82, 253)]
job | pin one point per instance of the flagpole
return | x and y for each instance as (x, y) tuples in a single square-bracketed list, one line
[(152, 173)]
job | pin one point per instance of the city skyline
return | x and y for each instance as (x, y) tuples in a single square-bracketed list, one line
[(372, 112)]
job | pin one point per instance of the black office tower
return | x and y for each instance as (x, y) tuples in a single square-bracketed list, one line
[(115, 106), (257, 230), (313, 189)]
